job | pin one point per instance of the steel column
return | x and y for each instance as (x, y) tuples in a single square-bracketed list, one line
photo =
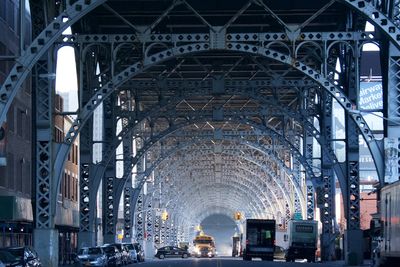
[(326, 194), (45, 235)]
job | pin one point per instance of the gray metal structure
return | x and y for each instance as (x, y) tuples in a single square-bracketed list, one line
[(221, 105)]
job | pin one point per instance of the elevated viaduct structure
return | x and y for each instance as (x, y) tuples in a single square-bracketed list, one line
[(217, 107)]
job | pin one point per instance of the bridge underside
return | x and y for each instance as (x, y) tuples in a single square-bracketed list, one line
[(210, 107)]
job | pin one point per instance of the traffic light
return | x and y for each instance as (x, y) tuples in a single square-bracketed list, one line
[(164, 215), (237, 216)]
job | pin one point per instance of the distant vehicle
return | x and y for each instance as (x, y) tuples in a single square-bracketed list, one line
[(302, 240), (133, 257), (139, 252), (124, 252), (19, 256), (114, 257), (92, 256), (386, 230), (171, 251), (235, 246), (279, 253), (259, 239), (204, 246)]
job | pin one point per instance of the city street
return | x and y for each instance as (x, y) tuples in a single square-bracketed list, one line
[(229, 262)]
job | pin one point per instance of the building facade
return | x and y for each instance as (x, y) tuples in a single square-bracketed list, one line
[(16, 214), (67, 214)]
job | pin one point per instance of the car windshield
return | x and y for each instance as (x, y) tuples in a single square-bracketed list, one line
[(11, 255), (118, 246), (129, 246), (109, 249), (92, 251)]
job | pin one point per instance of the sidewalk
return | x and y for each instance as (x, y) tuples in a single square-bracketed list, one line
[(342, 263)]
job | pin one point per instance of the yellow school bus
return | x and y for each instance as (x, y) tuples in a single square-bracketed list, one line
[(204, 246)]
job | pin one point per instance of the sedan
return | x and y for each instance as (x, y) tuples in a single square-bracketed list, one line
[(170, 251), (92, 256), (114, 257), (17, 256)]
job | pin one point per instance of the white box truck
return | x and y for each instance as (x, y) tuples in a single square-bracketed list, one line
[(302, 240), (386, 230)]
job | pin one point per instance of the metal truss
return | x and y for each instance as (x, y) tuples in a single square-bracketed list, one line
[(286, 48), (139, 152), (128, 190), (46, 186), (326, 194), (129, 127), (256, 175), (247, 48), (206, 171)]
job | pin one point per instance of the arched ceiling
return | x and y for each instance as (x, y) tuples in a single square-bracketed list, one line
[(219, 175)]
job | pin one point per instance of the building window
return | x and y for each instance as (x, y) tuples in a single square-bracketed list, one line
[(68, 187), (76, 189), (28, 128), (76, 154), (70, 152), (64, 185), (10, 163), (18, 177), (3, 176), (27, 178), (3, 12), (11, 14), (20, 122), (10, 118)]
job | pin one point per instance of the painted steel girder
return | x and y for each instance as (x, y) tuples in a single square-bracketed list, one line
[(251, 188), (267, 131), (150, 38), (172, 165), (42, 43), (253, 205), (45, 187), (232, 156), (135, 158), (130, 72), (177, 189), (363, 6), (136, 121), (250, 184)]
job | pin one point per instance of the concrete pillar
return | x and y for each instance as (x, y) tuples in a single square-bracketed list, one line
[(86, 239), (149, 249), (354, 247), (45, 242)]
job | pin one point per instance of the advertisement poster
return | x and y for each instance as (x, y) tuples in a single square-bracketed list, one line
[(370, 95), (391, 157), (3, 142)]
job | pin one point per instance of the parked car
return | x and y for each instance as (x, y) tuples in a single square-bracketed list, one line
[(171, 251), (114, 257), (92, 256), (17, 256), (133, 257), (279, 253), (125, 257), (139, 251)]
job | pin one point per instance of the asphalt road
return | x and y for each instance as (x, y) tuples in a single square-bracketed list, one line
[(227, 262)]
